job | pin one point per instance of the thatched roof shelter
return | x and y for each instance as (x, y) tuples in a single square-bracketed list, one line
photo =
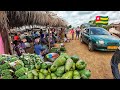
[(21, 18), (11, 19)]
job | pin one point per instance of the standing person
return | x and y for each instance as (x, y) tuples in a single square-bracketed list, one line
[(77, 32), (16, 37), (114, 64), (72, 32)]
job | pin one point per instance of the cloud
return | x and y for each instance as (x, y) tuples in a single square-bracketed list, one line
[(76, 18)]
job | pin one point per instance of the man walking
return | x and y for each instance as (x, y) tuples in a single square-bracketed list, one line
[(77, 32)]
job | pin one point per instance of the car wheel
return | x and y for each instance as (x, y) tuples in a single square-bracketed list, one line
[(90, 46), (81, 40)]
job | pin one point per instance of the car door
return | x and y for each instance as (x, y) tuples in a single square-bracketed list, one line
[(86, 36)]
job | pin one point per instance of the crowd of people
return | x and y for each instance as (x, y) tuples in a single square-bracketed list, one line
[(76, 31), (40, 39)]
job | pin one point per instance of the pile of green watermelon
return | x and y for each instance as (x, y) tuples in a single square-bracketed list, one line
[(30, 66)]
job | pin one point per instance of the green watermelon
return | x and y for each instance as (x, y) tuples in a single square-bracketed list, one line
[(85, 73), (75, 58)]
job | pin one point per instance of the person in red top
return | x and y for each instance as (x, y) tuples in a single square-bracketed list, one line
[(72, 32), (16, 37)]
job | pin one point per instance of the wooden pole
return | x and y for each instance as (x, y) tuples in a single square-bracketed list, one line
[(49, 36)]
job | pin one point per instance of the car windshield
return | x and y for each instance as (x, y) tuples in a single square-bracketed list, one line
[(99, 31)]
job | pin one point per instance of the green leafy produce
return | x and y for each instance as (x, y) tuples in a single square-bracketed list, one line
[(67, 75), (38, 65), (75, 58), (54, 50), (2, 59), (48, 76), (41, 76), (6, 72), (53, 76), (35, 72), (18, 67), (69, 64), (62, 49), (17, 64), (49, 70), (13, 59), (20, 72), (30, 75), (7, 77), (43, 66), (81, 64), (23, 77), (5, 66), (60, 71), (32, 67), (36, 77), (58, 77), (60, 61), (76, 75)]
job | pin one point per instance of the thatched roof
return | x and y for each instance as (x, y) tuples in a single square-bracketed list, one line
[(3, 20), (21, 18)]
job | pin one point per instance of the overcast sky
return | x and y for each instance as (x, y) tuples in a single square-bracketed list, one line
[(76, 18)]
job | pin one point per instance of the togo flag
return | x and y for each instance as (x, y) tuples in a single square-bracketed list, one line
[(102, 20)]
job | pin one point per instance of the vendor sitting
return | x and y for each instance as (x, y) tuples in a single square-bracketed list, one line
[(39, 50)]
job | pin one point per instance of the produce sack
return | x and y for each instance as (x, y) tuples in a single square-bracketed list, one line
[(85, 74), (69, 64), (53, 68), (30, 75), (44, 65), (67, 75), (73, 67), (53, 76), (59, 61), (76, 75), (60, 71), (41, 75), (48, 76), (65, 55), (44, 71)]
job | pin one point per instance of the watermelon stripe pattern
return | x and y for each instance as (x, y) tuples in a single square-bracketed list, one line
[(102, 20)]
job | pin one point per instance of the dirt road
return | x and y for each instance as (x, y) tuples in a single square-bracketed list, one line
[(98, 62)]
